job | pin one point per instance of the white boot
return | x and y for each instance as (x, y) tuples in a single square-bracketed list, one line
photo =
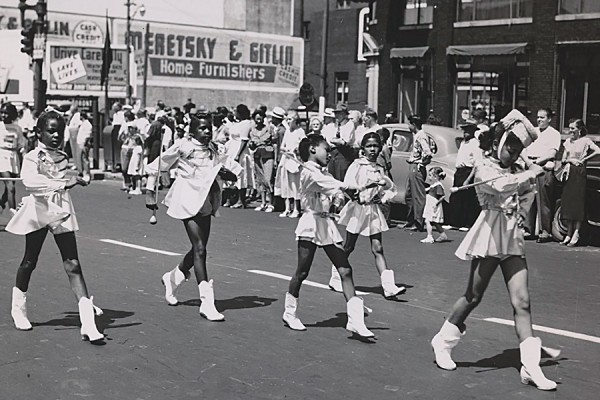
[(207, 297), (19, 310), (335, 282), (88, 322), (531, 351), (388, 283), (443, 343), (171, 281), (356, 318), (289, 315)]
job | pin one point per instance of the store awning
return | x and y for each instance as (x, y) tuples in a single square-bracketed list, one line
[(486, 49), (408, 52)]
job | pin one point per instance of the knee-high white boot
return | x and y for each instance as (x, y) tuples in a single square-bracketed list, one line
[(19, 310), (388, 283), (171, 281), (88, 322), (207, 297), (289, 315), (335, 282), (531, 351), (356, 317), (443, 343)]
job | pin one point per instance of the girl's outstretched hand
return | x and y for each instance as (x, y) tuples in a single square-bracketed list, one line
[(74, 181), (151, 200)]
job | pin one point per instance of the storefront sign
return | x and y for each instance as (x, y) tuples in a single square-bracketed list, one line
[(88, 32), (203, 58), (74, 70)]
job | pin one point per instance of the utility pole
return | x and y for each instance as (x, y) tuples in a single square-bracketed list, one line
[(323, 71), (128, 43), (34, 44)]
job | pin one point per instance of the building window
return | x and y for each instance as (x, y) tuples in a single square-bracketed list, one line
[(578, 6), (482, 10), (306, 30), (418, 12), (341, 87), (342, 4)]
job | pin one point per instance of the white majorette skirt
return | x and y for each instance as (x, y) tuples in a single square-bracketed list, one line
[(53, 211), (363, 219), (318, 228), (9, 161), (494, 234)]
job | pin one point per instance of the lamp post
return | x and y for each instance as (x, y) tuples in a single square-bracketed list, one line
[(130, 16)]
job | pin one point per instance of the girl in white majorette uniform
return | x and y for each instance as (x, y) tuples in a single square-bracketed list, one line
[(505, 194), (321, 194), (363, 215), (194, 198), (49, 208)]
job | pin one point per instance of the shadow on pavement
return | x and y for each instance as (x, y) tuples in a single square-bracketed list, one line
[(236, 303), (104, 321), (510, 358), (379, 290)]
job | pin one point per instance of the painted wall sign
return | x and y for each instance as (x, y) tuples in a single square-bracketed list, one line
[(88, 32), (206, 58)]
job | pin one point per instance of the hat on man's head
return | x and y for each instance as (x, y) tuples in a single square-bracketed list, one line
[(201, 110), (341, 107), (329, 112), (127, 107), (278, 112)]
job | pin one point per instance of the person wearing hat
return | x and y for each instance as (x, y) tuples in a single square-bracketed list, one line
[(496, 239), (415, 192), (329, 127), (342, 142), (464, 206), (277, 118)]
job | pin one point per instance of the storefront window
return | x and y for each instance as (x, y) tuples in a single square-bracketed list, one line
[(418, 12), (579, 6), (481, 10), (341, 87)]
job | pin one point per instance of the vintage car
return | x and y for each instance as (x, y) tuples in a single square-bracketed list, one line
[(446, 140), (592, 200)]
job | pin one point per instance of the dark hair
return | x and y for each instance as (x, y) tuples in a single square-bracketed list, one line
[(83, 115), (48, 115), (307, 143), (547, 110), (129, 115), (195, 122), (258, 112), (369, 112), (222, 110), (580, 125), (242, 111), (11, 112), (415, 120), (384, 133), (371, 135), (138, 140), (438, 171), (479, 114), (487, 138)]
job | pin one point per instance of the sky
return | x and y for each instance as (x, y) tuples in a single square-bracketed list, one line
[(193, 12)]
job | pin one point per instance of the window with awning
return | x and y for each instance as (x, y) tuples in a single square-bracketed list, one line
[(487, 49)]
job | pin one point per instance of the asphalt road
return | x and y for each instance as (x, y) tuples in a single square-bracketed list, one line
[(154, 351)]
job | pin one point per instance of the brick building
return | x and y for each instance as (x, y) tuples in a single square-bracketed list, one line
[(452, 55), (345, 73)]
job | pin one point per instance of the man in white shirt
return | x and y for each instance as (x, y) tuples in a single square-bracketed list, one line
[(329, 127), (84, 133), (369, 120), (71, 134), (342, 142), (463, 204), (543, 152)]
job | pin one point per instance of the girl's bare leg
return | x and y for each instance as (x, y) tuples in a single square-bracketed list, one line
[(198, 230), (306, 255), (10, 189), (479, 278), (514, 270), (350, 243), (67, 244), (338, 257), (33, 246), (377, 250)]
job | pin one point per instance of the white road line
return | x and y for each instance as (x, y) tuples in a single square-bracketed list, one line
[(306, 282), (135, 246), (540, 328)]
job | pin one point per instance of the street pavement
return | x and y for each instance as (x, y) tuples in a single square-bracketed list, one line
[(154, 351)]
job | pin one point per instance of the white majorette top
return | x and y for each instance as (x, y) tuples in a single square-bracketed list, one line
[(198, 166), (318, 190), (49, 204)]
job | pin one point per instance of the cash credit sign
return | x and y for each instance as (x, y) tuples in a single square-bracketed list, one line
[(187, 56), (74, 70)]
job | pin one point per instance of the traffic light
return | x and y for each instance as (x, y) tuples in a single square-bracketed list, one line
[(28, 34)]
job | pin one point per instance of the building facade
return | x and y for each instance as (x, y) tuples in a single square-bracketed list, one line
[(449, 56)]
